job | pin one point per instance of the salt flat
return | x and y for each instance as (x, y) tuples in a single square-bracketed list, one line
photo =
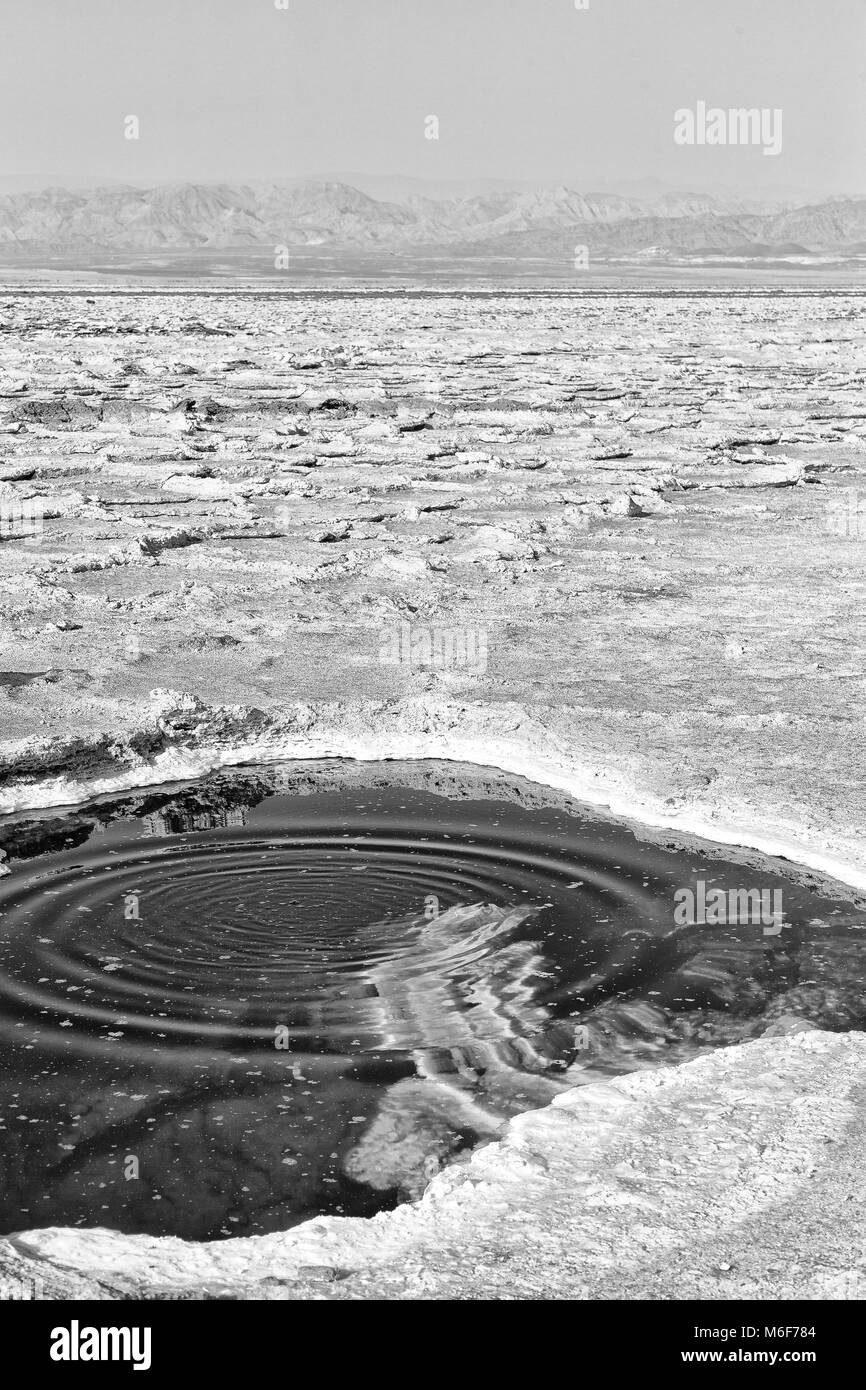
[(646, 506), (235, 528)]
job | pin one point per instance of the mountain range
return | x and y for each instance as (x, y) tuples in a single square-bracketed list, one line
[(332, 214)]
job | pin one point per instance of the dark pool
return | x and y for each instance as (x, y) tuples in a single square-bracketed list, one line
[(228, 1006)]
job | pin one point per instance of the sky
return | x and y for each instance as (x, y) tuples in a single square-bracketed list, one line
[(524, 90)]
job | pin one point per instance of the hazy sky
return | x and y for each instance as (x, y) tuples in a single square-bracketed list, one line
[(524, 89)]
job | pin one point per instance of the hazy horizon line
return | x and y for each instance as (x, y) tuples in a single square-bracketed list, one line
[(647, 187)]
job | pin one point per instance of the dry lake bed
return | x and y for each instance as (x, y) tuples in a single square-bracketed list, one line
[(611, 542)]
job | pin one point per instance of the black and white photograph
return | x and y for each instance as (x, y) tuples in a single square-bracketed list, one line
[(432, 667)]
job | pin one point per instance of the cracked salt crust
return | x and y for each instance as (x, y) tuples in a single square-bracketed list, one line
[(673, 633)]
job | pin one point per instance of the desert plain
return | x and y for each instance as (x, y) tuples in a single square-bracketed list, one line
[(239, 526)]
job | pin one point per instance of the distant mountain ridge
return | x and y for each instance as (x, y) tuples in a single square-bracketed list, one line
[(122, 218)]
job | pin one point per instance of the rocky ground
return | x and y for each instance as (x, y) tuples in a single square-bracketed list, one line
[(640, 523)]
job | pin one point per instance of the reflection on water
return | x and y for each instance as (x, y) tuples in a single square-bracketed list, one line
[(229, 1006)]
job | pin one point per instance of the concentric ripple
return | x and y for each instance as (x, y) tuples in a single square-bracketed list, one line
[(228, 1006)]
